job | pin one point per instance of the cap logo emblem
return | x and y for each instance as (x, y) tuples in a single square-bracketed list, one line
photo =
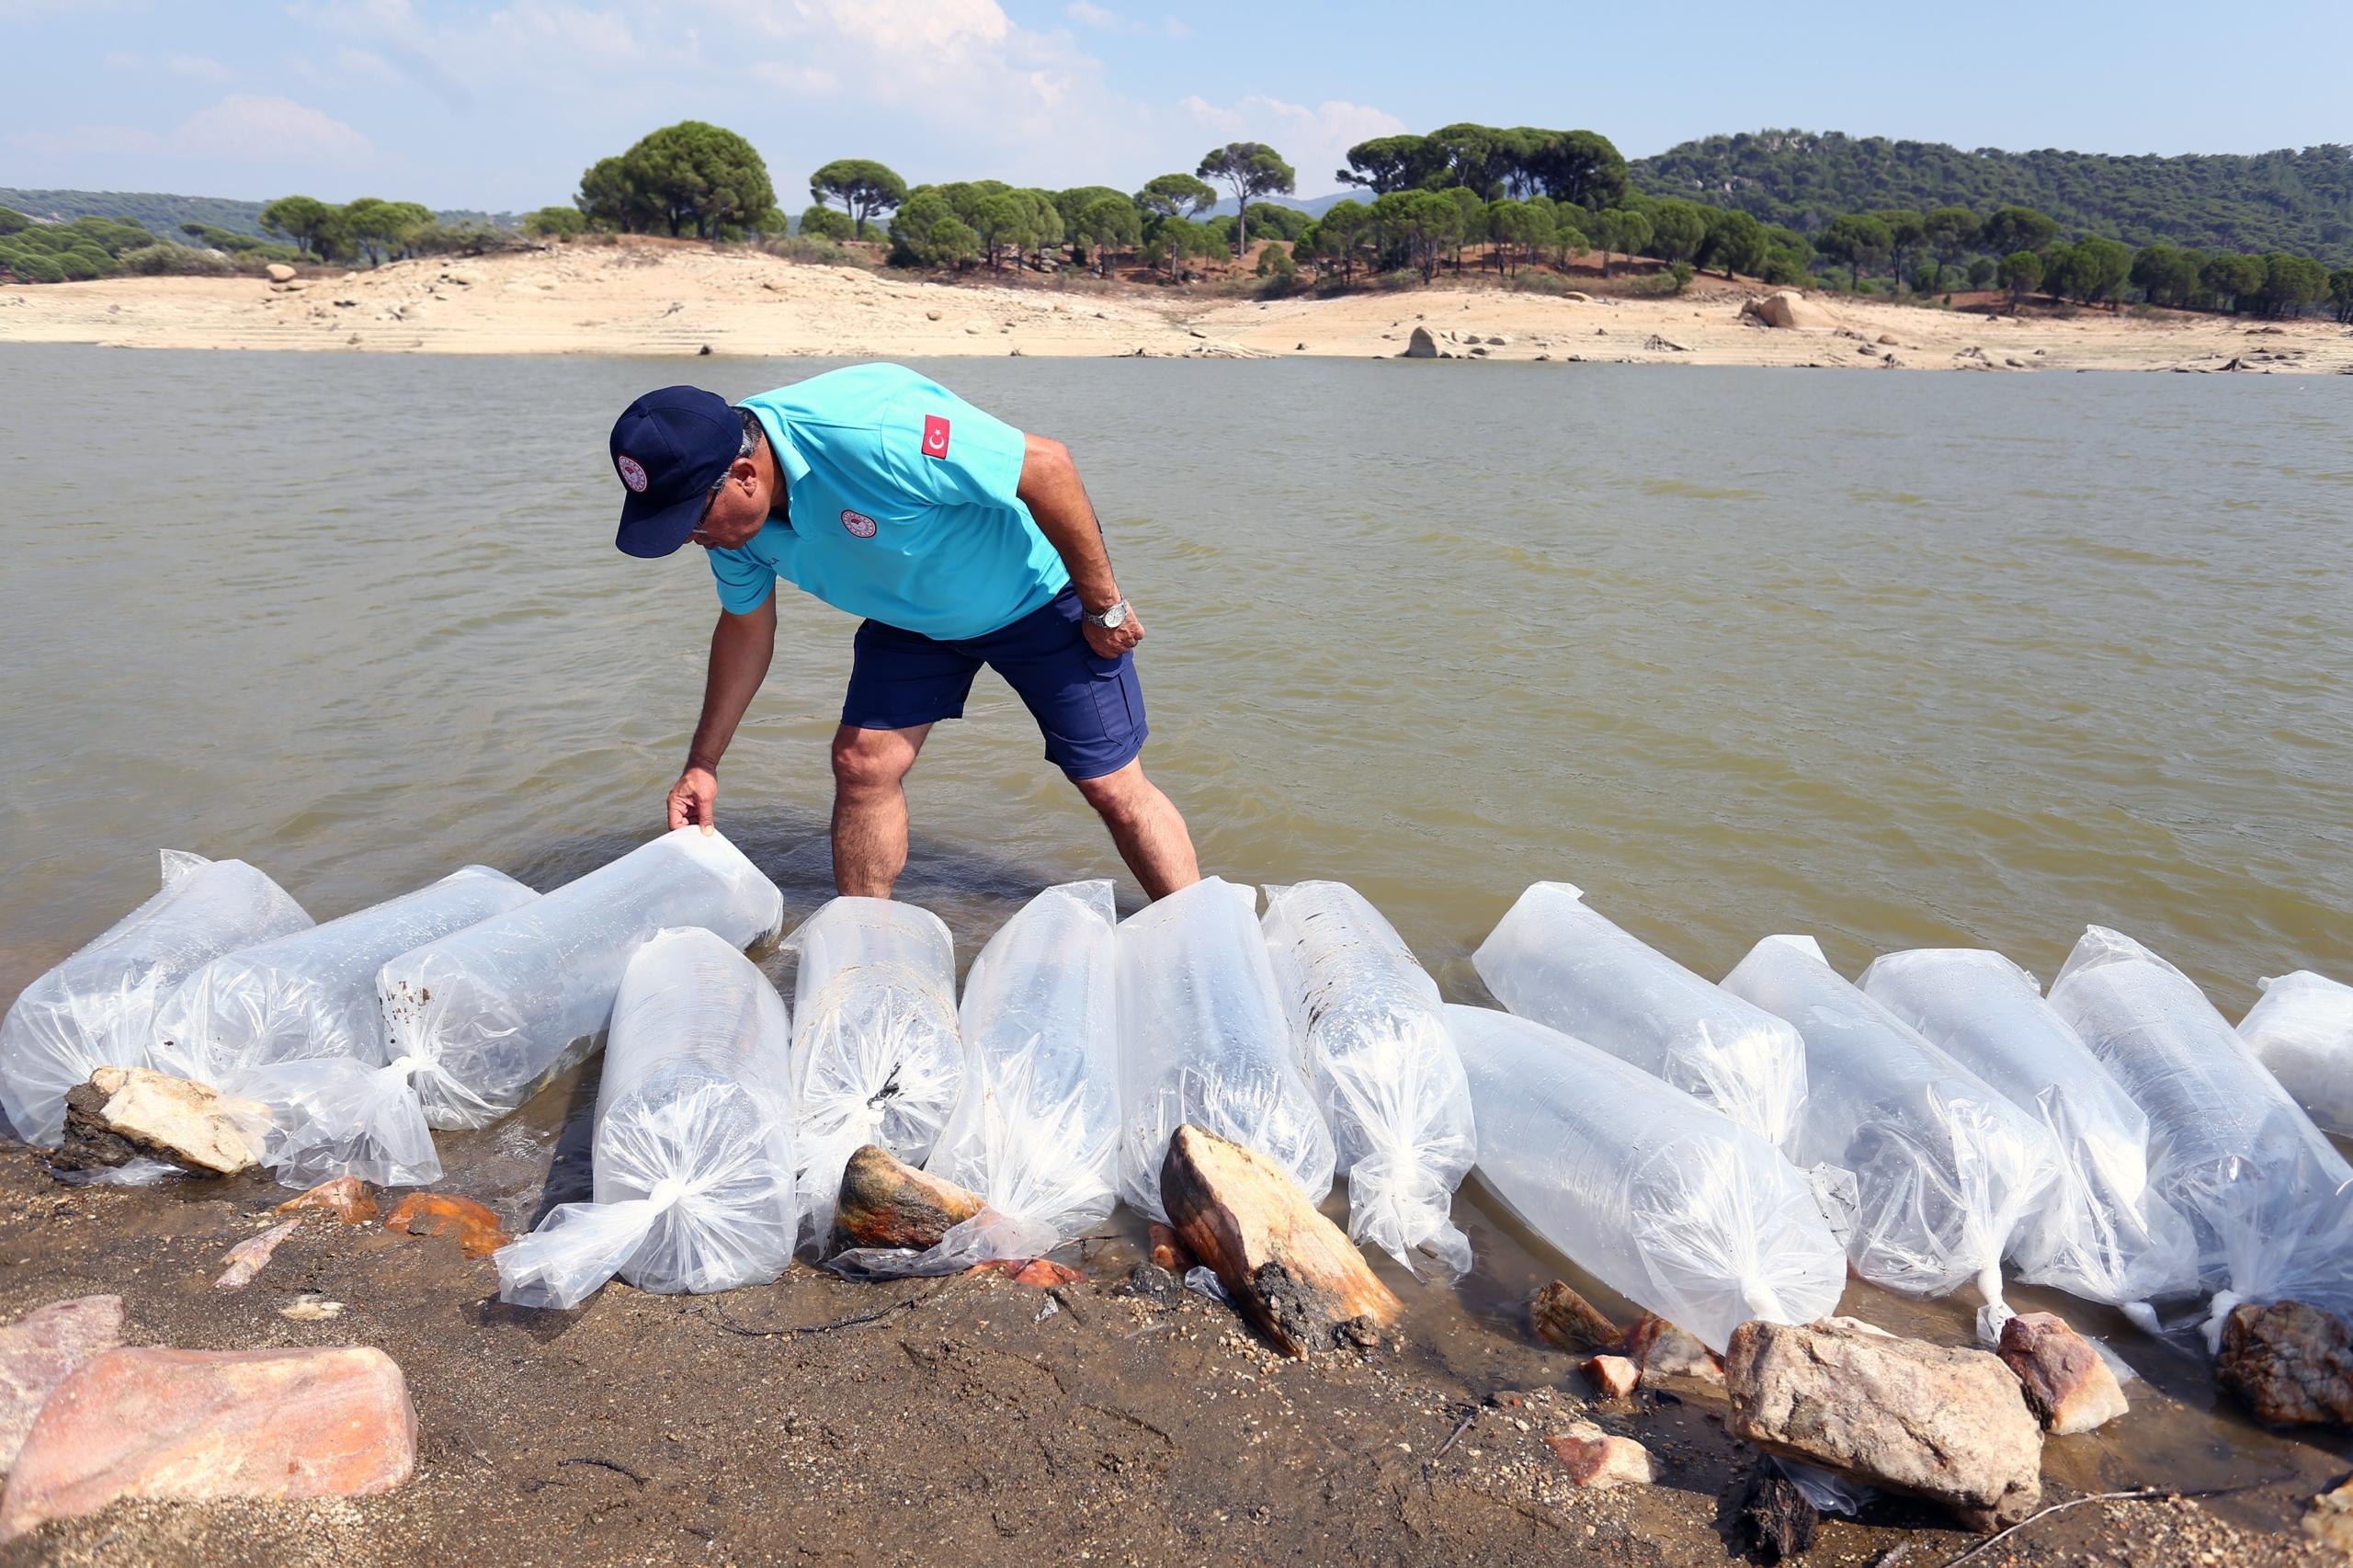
[(859, 525), (934, 436), (632, 472)]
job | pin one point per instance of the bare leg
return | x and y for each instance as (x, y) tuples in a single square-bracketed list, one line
[(871, 807), (1147, 827)]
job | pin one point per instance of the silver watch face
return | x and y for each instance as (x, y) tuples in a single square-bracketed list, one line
[(1112, 619)]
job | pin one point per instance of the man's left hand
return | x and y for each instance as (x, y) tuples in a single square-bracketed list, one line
[(1109, 642)]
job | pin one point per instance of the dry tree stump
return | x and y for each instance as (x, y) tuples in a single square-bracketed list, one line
[(1288, 1268)]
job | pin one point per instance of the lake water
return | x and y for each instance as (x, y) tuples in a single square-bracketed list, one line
[(1893, 659)]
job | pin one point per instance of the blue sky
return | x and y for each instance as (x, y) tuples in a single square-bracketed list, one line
[(500, 105)]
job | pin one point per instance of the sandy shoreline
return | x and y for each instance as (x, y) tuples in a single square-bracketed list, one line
[(687, 300)]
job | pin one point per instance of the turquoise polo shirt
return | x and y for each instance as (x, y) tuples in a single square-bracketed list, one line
[(902, 507)]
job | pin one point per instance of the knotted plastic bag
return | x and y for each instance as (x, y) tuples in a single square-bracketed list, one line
[(1036, 1129), (99, 1009), (2301, 1029), (481, 1019), (2100, 1232), (695, 1186), (1553, 960), (312, 993), (1664, 1199), (1204, 1038), (877, 1057), (2262, 1188), (1368, 1024), (1946, 1168)]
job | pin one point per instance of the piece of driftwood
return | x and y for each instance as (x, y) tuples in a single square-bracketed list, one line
[(1288, 1268), (1563, 1318), (887, 1203)]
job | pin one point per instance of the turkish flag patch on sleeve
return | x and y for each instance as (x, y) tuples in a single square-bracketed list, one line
[(934, 436)]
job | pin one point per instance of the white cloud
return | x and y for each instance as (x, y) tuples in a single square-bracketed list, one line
[(240, 128), (1313, 141), (1175, 27), (1088, 16), (200, 67)]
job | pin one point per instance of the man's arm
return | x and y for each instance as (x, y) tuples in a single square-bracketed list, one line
[(741, 647), (1057, 501)]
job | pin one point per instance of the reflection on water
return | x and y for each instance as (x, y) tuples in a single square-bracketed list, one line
[(1893, 660)]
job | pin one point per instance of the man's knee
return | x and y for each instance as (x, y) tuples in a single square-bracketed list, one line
[(868, 760), (1120, 797)]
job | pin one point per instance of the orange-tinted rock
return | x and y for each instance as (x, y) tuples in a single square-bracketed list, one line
[(1594, 1459), (1038, 1272), (1565, 1319), (194, 1425), (245, 1259), (438, 1214), (2069, 1386), (886, 1202), (1613, 1377), (349, 1199), (1662, 1350), (2291, 1362), (39, 1349), (1168, 1252)]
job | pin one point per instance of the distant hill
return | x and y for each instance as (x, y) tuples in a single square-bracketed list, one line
[(1314, 206), (2299, 201), (162, 215)]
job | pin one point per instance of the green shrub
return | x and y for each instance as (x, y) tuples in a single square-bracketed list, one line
[(555, 223), (12, 221), (32, 267), (79, 268), (820, 222), (1681, 272), (810, 251), (167, 260), (1275, 260)]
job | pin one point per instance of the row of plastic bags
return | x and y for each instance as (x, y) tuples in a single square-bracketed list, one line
[(2117, 1140), (446, 1007)]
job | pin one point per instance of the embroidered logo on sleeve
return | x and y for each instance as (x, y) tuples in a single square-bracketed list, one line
[(859, 525), (934, 436)]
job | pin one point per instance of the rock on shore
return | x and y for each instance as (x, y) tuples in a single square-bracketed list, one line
[(1943, 1424), (2291, 1363)]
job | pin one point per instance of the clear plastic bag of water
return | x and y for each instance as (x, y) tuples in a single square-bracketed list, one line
[(1946, 1168), (2301, 1029), (1666, 1200), (1368, 1024), (877, 1055), (312, 993), (1036, 1129), (2263, 1188), (481, 1019), (99, 1008), (1553, 960), (2101, 1231), (1204, 1038), (695, 1186)]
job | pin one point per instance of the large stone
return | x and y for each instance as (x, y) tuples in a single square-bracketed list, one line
[(2067, 1382), (2291, 1363), (887, 1203), (198, 1425), (1597, 1459), (1789, 308), (1563, 1318), (127, 1111), (1287, 1267), (1947, 1424), (477, 1229), (1421, 345), (39, 1349), (280, 273)]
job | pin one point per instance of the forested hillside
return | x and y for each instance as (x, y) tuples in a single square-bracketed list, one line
[(2298, 201), (164, 216)]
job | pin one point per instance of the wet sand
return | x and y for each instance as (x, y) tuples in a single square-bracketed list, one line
[(645, 297)]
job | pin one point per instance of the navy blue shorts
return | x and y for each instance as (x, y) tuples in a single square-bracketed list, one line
[(1090, 709)]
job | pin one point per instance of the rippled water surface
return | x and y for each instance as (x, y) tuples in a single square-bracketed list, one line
[(1892, 659)]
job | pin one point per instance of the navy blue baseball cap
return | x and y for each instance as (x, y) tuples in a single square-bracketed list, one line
[(671, 447)]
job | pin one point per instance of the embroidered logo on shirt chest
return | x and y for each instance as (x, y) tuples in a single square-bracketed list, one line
[(859, 525)]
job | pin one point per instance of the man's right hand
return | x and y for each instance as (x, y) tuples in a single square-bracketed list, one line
[(694, 800)]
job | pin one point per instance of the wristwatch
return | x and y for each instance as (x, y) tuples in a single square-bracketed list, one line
[(1111, 618)]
